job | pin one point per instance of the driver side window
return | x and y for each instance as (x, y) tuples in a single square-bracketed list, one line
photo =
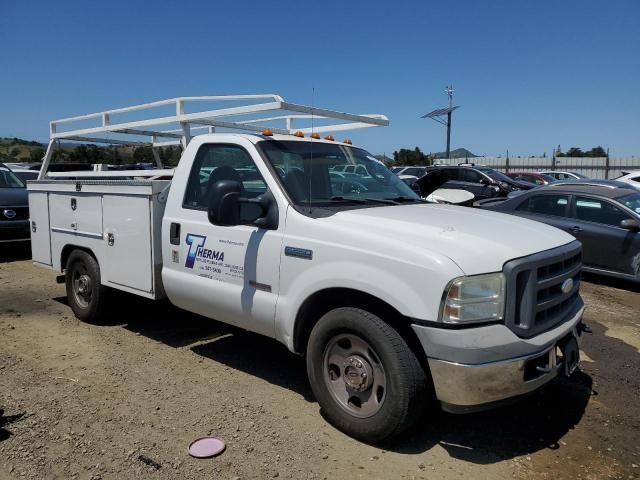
[(217, 162), (471, 176)]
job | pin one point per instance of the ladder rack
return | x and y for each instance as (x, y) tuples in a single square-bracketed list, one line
[(190, 116)]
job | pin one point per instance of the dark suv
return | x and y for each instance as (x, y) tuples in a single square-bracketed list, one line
[(483, 182), (14, 207)]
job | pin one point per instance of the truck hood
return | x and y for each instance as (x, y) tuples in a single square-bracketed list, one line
[(478, 241), (14, 197)]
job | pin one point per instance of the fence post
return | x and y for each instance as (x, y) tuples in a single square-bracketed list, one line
[(507, 163), (606, 167), (553, 160)]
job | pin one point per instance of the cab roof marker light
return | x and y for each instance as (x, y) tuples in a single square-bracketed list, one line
[(316, 136), (329, 137), (267, 132), (347, 141), (299, 134)]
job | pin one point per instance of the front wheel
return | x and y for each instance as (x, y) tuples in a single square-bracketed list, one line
[(85, 292), (365, 377)]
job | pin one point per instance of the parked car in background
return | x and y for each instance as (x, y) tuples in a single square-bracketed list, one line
[(414, 171), (14, 207), (24, 174), (603, 215), (632, 178), (563, 175), (535, 178), (483, 182), (357, 170)]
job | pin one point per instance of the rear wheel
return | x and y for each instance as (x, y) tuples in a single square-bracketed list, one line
[(365, 377), (85, 292)]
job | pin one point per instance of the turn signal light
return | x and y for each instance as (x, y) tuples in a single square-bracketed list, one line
[(267, 132), (347, 141), (329, 137), (299, 134), (316, 136)]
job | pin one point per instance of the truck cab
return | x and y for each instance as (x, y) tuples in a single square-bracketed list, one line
[(396, 303)]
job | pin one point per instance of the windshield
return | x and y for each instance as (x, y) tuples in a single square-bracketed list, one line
[(631, 201), (496, 175), (323, 174), (8, 179)]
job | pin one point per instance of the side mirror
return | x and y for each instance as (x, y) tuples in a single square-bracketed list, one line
[(485, 181), (630, 224), (225, 202)]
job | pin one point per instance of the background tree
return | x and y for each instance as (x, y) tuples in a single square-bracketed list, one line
[(596, 152), (410, 157), (573, 152), (143, 155), (36, 155)]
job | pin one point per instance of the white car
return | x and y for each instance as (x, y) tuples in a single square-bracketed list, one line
[(562, 175), (632, 178), (409, 171)]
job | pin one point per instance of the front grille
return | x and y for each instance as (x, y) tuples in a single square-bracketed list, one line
[(21, 213), (535, 298), (14, 233)]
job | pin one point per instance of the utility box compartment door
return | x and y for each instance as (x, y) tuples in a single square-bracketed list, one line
[(76, 213), (40, 234), (127, 234)]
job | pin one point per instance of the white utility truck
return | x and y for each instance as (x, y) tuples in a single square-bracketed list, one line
[(394, 301)]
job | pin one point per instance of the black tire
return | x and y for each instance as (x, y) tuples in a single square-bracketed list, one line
[(404, 396), (83, 269)]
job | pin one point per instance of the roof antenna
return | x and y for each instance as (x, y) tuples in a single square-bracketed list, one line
[(313, 105)]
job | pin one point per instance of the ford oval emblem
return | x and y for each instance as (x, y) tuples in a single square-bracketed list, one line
[(567, 285), (9, 213)]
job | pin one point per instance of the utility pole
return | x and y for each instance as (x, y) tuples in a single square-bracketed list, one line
[(439, 114), (449, 91)]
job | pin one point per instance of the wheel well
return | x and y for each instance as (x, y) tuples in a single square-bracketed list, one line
[(323, 301), (66, 251)]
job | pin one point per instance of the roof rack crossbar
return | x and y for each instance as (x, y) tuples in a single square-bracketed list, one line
[(237, 126), (106, 140), (149, 133)]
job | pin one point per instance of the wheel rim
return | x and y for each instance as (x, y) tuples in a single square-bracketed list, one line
[(82, 285), (354, 375)]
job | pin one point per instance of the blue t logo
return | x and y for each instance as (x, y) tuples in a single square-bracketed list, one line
[(195, 243)]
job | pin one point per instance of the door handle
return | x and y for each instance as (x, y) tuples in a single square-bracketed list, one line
[(575, 229), (174, 234)]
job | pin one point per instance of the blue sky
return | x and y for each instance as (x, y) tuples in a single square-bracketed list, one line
[(529, 75)]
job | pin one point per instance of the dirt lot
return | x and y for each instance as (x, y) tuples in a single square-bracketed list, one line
[(125, 400)]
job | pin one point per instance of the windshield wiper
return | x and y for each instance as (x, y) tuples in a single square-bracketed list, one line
[(385, 201), (402, 199), (347, 200)]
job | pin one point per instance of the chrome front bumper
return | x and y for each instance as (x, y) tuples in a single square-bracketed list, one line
[(462, 387)]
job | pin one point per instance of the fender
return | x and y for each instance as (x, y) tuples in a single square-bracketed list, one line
[(398, 291)]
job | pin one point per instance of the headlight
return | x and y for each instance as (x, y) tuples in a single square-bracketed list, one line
[(479, 298)]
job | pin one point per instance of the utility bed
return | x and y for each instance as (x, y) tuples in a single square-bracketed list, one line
[(117, 220)]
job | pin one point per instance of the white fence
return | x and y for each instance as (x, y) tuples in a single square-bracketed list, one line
[(604, 167)]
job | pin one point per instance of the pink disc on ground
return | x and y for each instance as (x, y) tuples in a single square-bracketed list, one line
[(206, 447)]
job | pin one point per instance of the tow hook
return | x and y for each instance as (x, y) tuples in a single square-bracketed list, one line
[(583, 327), (60, 279)]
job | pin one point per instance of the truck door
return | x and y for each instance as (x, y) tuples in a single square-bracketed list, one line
[(230, 274)]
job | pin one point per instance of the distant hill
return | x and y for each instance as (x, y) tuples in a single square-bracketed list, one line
[(457, 153), (19, 150)]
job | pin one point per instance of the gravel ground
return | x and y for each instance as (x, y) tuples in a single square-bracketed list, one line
[(125, 400)]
